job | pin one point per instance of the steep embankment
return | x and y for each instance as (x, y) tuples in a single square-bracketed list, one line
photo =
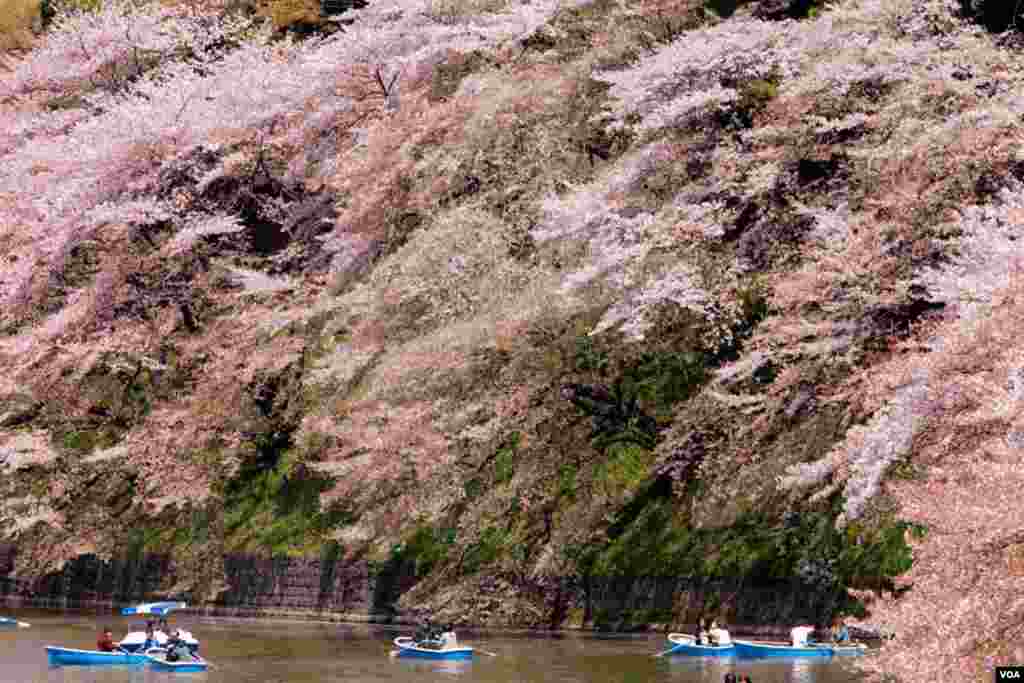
[(519, 293)]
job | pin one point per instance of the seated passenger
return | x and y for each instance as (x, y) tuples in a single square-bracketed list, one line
[(448, 637), (150, 637), (840, 634), (173, 641), (720, 635), (800, 635), (712, 634), (702, 632), (105, 643)]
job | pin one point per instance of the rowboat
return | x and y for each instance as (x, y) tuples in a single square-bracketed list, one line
[(158, 662), (683, 644), (66, 656), (6, 622), (407, 647), (746, 648)]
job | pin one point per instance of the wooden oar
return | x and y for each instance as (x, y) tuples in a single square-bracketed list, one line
[(662, 654)]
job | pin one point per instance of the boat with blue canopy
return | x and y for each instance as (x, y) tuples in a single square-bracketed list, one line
[(193, 664), (683, 644), (136, 640), (752, 650), (68, 656), (7, 622), (430, 649)]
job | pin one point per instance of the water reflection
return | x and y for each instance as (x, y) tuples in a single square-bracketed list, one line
[(802, 670), (421, 667), (710, 669)]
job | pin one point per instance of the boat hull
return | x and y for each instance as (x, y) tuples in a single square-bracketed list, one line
[(66, 656), (753, 650), (158, 663), (6, 622), (686, 645), (407, 648)]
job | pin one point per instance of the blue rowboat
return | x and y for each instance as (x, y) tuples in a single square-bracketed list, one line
[(408, 648), (158, 662), (66, 656), (746, 648), (683, 644), (6, 622)]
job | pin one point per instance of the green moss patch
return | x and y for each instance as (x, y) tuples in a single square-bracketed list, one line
[(650, 537), (273, 506)]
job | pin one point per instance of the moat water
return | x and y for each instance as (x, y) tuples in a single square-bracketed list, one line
[(250, 651)]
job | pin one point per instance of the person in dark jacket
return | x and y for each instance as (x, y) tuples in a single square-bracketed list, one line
[(702, 631), (173, 641)]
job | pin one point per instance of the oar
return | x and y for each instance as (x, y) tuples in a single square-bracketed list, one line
[(662, 654), (489, 654)]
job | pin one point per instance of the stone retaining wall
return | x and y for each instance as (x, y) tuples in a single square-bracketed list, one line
[(357, 591)]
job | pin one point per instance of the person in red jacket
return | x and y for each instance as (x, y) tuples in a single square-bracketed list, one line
[(105, 643)]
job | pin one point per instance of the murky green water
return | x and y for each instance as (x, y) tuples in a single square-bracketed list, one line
[(244, 651)]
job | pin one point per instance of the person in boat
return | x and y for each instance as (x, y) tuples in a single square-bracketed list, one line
[(428, 635), (719, 635), (745, 679), (105, 643), (177, 649), (800, 635), (423, 631), (840, 634), (702, 632), (448, 638), (150, 637), (730, 678)]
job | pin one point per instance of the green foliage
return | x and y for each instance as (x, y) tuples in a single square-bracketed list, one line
[(473, 488), (587, 358), (135, 545), (647, 538), (567, 474), (273, 504), (485, 551), (655, 382), (906, 470), (504, 460), (86, 440), (662, 379), (626, 465), (427, 548)]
